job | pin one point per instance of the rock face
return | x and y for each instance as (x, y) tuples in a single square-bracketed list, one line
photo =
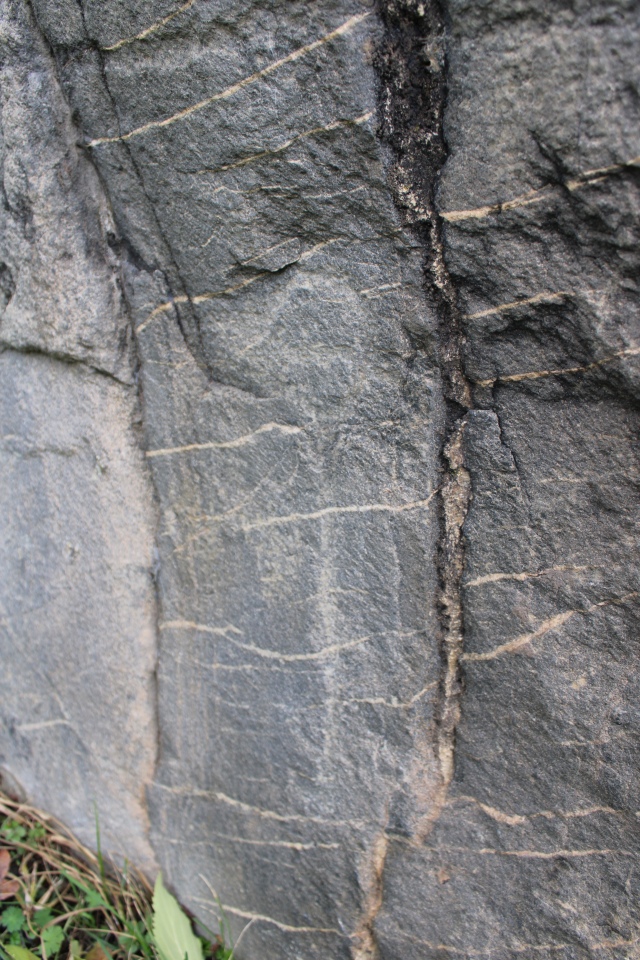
[(319, 397), (77, 518)]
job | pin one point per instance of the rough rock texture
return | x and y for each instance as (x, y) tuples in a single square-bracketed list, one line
[(368, 276), (77, 522), (536, 849)]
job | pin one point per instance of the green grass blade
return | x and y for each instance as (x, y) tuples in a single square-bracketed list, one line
[(19, 953)]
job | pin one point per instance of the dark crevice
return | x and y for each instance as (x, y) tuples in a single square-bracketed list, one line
[(411, 62), (124, 248), (7, 285), (60, 357), (175, 283)]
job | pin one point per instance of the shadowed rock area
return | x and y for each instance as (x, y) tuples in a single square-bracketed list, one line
[(319, 401)]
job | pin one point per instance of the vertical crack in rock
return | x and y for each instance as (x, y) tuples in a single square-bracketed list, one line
[(175, 280), (121, 247), (365, 945), (411, 63), (125, 251), (127, 248), (456, 495)]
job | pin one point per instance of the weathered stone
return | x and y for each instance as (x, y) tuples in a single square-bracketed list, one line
[(535, 849), (368, 277), (77, 604), (292, 434)]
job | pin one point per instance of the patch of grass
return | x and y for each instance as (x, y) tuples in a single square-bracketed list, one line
[(60, 901)]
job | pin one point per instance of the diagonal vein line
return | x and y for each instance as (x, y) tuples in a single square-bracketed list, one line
[(347, 26), (149, 30)]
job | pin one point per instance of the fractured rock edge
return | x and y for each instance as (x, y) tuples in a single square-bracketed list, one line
[(412, 67)]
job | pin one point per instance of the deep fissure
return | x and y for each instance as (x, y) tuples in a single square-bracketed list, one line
[(412, 70)]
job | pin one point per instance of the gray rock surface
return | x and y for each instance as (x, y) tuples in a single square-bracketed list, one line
[(535, 852), (77, 518), (345, 295)]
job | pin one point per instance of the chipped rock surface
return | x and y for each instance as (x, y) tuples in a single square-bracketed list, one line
[(319, 393)]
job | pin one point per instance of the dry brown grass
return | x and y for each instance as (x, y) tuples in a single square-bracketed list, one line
[(60, 898)]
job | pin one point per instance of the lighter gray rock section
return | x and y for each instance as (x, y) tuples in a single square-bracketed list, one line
[(58, 278), (77, 604)]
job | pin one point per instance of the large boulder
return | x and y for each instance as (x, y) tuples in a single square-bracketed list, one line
[(319, 399)]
